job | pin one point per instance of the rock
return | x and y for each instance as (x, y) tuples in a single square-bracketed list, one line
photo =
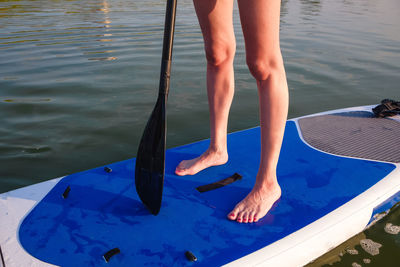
[(352, 251), (392, 229), (366, 261), (370, 246)]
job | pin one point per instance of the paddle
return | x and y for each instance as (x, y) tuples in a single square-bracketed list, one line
[(150, 159)]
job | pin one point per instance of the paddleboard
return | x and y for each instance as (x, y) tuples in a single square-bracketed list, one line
[(337, 171)]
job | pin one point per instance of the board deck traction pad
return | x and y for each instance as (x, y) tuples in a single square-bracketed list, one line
[(102, 210), (354, 134)]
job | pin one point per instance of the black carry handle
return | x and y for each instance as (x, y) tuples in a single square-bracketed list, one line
[(107, 256), (208, 187), (387, 108)]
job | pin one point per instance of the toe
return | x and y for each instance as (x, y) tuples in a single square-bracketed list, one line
[(239, 217), (180, 168), (179, 171), (232, 216), (246, 217), (251, 217)]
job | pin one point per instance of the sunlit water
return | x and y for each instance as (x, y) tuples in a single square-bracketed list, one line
[(78, 79)]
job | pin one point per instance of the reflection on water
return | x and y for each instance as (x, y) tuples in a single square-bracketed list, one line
[(88, 25), (106, 37), (78, 79), (310, 8), (284, 9)]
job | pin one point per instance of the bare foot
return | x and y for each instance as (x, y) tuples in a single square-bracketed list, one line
[(256, 204), (207, 159)]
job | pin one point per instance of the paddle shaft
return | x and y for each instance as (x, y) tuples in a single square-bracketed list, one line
[(150, 160), (169, 29)]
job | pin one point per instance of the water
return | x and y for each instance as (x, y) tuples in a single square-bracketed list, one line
[(376, 246), (78, 79)]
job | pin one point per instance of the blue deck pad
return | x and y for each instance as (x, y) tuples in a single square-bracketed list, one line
[(103, 210)]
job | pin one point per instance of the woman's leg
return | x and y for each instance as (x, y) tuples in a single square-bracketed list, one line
[(215, 18), (260, 24)]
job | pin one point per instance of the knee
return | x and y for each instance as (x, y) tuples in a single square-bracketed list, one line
[(220, 53), (262, 68)]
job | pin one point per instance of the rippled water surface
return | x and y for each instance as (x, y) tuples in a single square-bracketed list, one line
[(78, 79)]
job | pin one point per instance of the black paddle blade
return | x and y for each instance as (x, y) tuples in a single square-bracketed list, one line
[(150, 163)]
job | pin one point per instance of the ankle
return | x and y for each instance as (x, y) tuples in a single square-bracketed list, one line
[(219, 150), (266, 182)]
